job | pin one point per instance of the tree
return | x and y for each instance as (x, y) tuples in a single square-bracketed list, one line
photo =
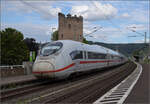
[(55, 35), (85, 41), (32, 45), (13, 48)]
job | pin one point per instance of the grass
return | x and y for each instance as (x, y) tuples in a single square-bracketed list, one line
[(147, 61)]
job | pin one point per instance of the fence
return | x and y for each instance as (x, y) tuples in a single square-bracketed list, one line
[(11, 66), (16, 70)]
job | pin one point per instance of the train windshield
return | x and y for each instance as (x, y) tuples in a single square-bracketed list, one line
[(51, 48)]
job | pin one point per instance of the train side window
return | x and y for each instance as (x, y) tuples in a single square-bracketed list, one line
[(107, 56), (90, 55), (93, 55), (116, 57), (102, 56), (79, 55), (76, 55)]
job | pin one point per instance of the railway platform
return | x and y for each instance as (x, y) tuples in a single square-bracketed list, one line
[(141, 91), (16, 79)]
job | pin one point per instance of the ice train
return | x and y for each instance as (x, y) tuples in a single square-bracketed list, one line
[(62, 58)]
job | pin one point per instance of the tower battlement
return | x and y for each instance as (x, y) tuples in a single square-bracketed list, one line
[(70, 27)]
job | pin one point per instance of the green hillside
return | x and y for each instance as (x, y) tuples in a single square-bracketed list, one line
[(126, 49)]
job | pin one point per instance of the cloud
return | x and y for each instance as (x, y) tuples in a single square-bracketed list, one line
[(125, 15), (104, 34), (141, 16), (95, 11), (111, 34), (137, 14), (39, 32), (89, 27), (42, 8), (137, 27), (139, 41)]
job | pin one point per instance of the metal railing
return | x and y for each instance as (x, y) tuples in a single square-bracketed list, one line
[(11, 66)]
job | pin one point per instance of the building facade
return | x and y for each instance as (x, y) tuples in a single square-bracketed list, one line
[(70, 27)]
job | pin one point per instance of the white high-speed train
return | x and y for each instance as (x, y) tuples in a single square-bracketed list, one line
[(60, 59)]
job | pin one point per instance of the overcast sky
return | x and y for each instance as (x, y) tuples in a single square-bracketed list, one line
[(35, 19)]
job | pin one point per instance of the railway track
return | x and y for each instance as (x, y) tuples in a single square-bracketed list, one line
[(84, 91), (13, 85), (11, 93), (58, 91)]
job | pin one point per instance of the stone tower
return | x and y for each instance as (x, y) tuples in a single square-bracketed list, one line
[(70, 27)]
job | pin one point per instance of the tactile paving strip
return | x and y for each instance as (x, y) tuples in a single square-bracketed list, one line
[(118, 94)]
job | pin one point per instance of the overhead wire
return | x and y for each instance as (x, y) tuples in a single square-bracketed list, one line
[(93, 31), (107, 18), (136, 32), (36, 9)]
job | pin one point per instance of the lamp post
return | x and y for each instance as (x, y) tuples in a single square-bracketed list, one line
[(52, 32), (145, 37)]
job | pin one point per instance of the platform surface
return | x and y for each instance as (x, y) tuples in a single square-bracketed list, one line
[(140, 93), (16, 79)]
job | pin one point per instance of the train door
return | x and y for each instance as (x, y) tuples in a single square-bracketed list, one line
[(76, 56), (108, 58), (82, 59), (79, 58), (77, 63), (69, 57), (85, 66)]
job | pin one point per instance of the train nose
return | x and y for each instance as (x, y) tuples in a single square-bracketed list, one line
[(43, 69)]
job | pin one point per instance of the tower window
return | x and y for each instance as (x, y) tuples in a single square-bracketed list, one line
[(61, 35), (80, 37), (69, 26)]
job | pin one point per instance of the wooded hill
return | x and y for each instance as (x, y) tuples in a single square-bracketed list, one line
[(126, 49)]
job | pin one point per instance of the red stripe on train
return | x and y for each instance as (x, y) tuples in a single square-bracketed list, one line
[(86, 62), (58, 70), (81, 62)]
